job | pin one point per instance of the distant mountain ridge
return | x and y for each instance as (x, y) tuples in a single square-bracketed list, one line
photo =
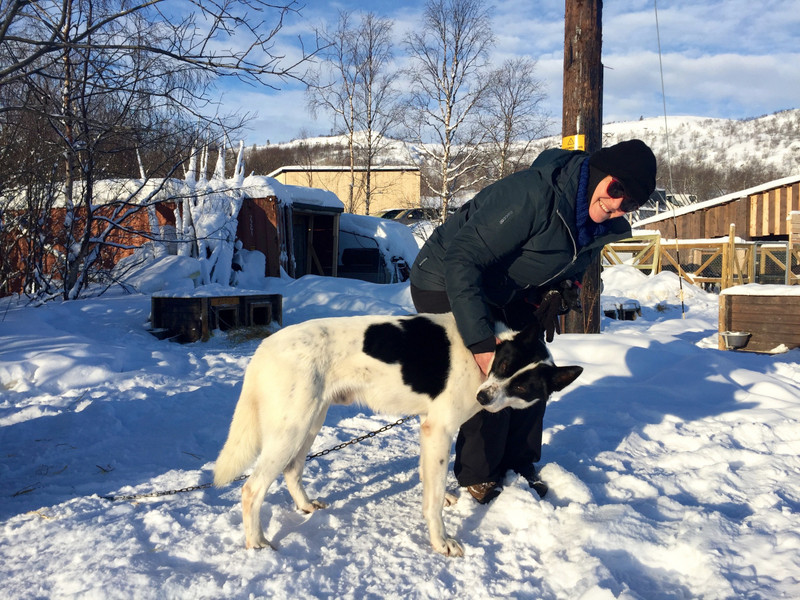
[(699, 158), (771, 141)]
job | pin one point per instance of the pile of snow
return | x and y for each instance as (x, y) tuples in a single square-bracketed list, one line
[(628, 282), (422, 230), (674, 467), (147, 274)]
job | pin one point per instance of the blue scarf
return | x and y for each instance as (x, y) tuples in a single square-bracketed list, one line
[(587, 229)]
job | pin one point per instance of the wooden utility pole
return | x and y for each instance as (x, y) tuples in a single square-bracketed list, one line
[(582, 123)]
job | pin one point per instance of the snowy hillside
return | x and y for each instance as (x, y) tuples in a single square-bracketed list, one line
[(771, 140)]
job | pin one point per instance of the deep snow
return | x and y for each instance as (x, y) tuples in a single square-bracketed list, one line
[(674, 467)]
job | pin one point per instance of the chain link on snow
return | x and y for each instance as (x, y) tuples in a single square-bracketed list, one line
[(371, 434), (205, 486)]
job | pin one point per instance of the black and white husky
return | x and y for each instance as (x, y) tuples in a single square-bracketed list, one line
[(405, 365)]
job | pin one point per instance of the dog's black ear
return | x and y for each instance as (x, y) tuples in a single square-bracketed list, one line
[(560, 377)]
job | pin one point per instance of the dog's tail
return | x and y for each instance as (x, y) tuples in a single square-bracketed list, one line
[(243, 443)]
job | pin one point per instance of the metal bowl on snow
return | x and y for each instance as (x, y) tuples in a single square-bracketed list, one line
[(735, 339)]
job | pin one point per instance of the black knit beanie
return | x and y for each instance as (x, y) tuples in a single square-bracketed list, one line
[(633, 163)]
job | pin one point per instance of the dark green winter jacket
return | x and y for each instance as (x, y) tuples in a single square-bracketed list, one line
[(515, 234)]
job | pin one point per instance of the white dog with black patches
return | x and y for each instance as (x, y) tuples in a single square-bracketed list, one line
[(412, 365)]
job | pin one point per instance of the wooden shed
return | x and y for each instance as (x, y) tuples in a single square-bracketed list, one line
[(759, 214), (296, 228), (260, 220)]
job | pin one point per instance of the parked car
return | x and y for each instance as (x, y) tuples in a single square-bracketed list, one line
[(407, 216), (391, 213)]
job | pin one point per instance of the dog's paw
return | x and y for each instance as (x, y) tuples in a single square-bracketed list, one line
[(449, 547), (314, 505), (450, 499), (259, 543)]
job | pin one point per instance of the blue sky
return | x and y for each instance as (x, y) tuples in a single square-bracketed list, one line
[(721, 58)]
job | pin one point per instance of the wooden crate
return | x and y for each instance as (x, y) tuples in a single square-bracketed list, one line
[(769, 313), (189, 319), (182, 319), (261, 309)]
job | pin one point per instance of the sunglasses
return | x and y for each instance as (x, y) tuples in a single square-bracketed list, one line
[(617, 190)]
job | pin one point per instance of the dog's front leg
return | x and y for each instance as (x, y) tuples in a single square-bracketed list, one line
[(434, 454)]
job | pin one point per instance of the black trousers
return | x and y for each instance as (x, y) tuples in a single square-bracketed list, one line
[(489, 444)]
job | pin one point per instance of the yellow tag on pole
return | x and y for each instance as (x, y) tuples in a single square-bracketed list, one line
[(574, 142)]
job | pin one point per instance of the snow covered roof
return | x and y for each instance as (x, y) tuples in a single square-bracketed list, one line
[(258, 186), (107, 191), (717, 201), (758, 289), (341, 168), (140, 191)]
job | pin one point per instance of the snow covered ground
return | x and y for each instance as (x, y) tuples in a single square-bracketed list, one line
[(674, 467)]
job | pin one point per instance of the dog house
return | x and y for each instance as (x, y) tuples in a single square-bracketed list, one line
[(622, 309), (191, 318), (759, 318)]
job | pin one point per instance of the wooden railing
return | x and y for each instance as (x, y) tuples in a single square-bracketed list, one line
[(720, 264)]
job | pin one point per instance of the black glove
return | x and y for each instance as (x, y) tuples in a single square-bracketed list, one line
[(550, 308), (557, 301), (571, 295)]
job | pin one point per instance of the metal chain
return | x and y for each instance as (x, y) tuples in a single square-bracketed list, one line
[(359, 439), (205, 486)]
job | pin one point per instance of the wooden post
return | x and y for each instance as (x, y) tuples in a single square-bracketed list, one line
[(793, 249), (729, 258), (582, 124), (335, 266), (657, 256), (724, 319)]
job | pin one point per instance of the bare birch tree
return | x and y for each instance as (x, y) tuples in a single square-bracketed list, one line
[(448, 83), (353, 85), (512, 117), (124, 78), (197, 36), (379, 95), (332, 87)]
